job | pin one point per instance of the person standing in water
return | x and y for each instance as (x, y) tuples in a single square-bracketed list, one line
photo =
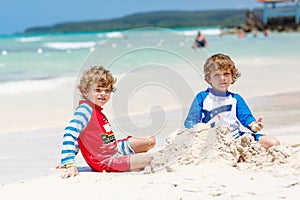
[(200, 41)]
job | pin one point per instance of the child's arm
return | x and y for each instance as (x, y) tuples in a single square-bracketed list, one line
[(243, 112), (195, 112), (70, 147)]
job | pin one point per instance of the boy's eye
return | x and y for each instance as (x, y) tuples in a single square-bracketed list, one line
[(98, 90), (227, 74)]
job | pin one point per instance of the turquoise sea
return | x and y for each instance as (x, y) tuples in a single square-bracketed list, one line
[(48, 56)]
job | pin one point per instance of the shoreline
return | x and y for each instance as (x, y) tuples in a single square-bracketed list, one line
[(270, 106)]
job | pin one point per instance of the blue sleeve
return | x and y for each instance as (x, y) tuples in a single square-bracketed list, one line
[(79, 121), (195, 112), (243, 112)]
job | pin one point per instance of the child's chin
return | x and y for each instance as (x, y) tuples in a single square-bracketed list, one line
[(221, 90)]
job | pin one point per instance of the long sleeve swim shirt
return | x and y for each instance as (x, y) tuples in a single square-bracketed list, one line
[(90, 131), (220, 108)]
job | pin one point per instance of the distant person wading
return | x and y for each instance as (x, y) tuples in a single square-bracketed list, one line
[(200, 41)]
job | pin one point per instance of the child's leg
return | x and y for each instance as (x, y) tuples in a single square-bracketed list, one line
[(141, 144), (268, 141), (140, 160)]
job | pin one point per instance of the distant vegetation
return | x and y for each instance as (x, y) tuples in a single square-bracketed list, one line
[(166, 19)]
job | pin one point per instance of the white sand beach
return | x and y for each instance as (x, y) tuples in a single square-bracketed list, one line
[(262, 175), (32, 122)]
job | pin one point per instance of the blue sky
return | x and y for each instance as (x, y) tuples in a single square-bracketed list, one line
[(16, 15)]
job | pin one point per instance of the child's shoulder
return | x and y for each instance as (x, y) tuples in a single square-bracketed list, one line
[(203, 94), (84, 107), (236, 96)]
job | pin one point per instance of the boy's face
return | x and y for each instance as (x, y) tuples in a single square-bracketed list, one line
[(98, 95), (220, 80)]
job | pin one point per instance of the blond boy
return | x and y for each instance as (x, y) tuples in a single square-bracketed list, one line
[(89, 130), (218, 106)]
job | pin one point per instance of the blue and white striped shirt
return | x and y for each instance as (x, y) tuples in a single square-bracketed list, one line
[(70, 148)]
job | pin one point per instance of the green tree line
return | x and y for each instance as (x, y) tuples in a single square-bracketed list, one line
[(166, 19)]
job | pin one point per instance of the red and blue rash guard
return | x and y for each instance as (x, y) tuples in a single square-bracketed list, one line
[(220, 108), (90, 130)]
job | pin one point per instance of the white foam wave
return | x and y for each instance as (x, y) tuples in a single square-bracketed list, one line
[(28, 39), (212, 31), (114, 35), (21, 87), (215, 31), (69, 45)]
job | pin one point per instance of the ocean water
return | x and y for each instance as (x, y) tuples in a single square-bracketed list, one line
[(46, 56)]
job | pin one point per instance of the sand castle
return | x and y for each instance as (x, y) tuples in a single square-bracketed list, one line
[(203, 144)]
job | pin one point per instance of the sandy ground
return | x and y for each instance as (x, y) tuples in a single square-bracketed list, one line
[(31, 127), (205, 170)]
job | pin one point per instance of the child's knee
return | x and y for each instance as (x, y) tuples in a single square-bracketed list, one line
[(151, 141), (275, 142), (268, 141)]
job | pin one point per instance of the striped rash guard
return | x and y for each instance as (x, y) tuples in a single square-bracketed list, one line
[(90, 130), (220, 108)]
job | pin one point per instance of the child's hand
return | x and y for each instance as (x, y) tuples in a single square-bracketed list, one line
[(70, 172), (60, 166), (257, 125)]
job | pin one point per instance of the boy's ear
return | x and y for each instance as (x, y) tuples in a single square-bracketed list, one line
[(207, 78), (84, 93)]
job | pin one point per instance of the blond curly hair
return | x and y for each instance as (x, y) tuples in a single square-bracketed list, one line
[(96, 75), (220, 62)]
